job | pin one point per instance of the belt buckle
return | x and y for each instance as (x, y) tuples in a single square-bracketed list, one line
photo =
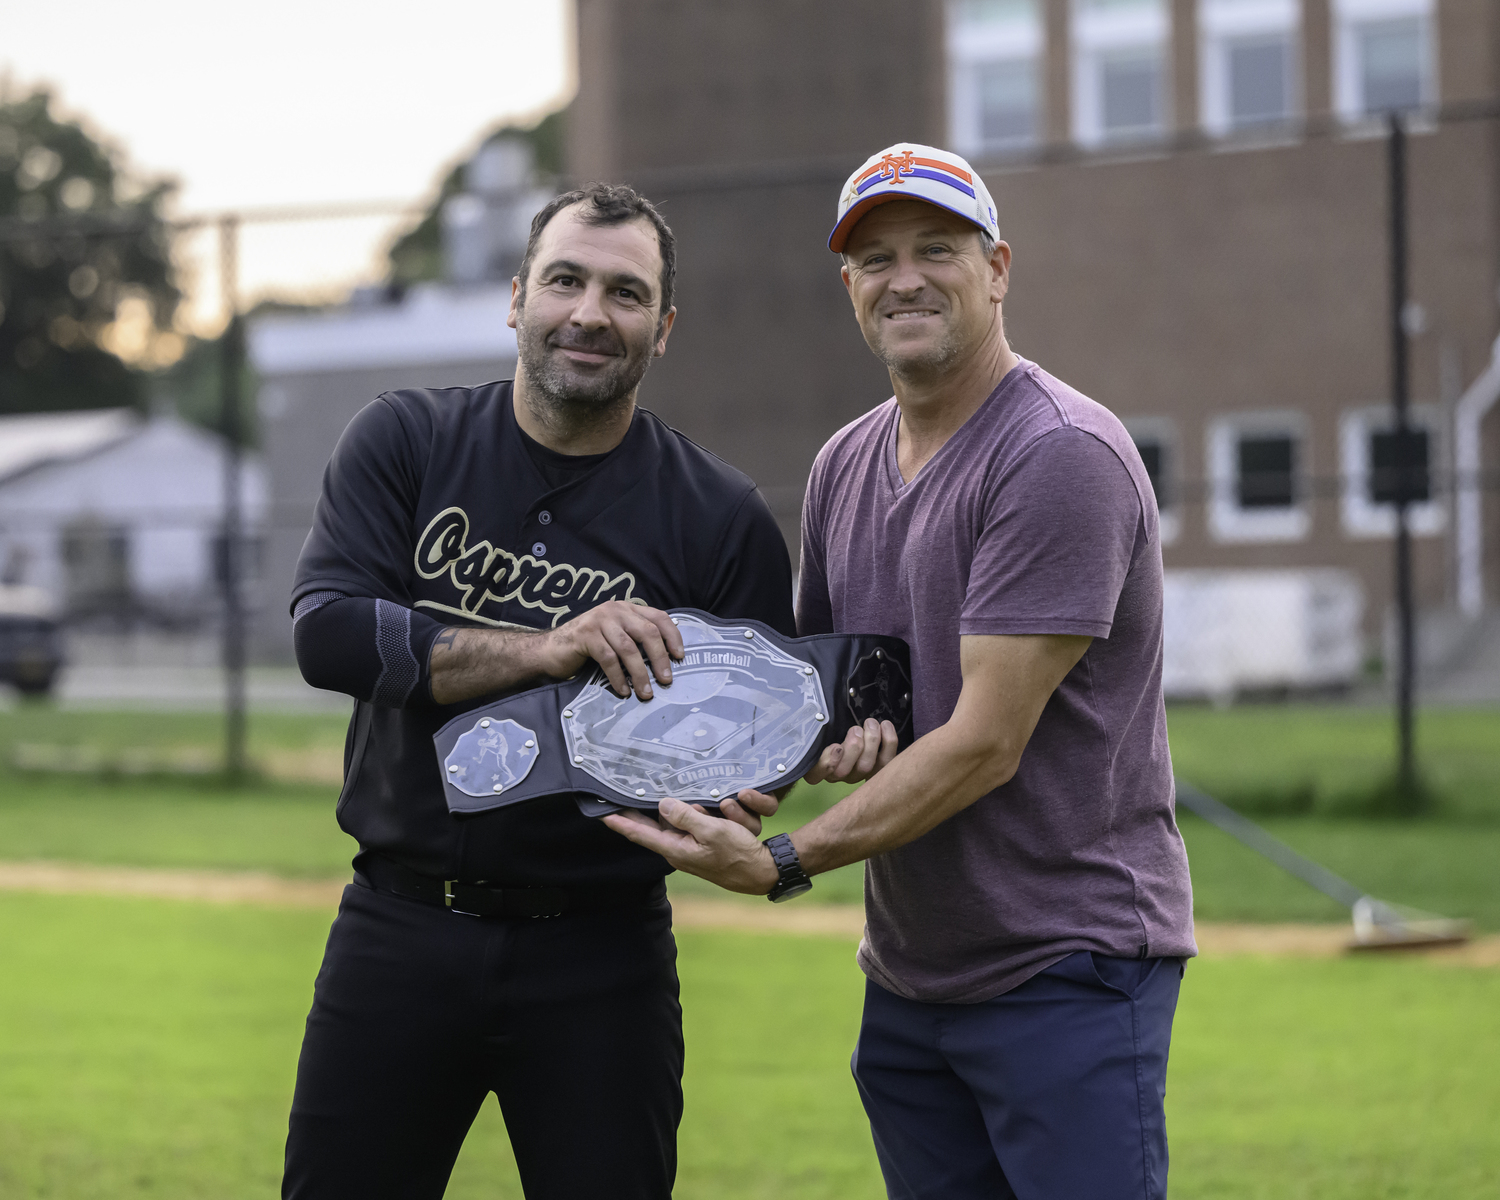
[(448, 885), (448, 899)]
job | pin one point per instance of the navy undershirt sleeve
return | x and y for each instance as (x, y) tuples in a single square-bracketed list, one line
[(347, 637), (372, 650)]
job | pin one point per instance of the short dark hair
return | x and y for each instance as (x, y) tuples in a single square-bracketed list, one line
[(609, 204)]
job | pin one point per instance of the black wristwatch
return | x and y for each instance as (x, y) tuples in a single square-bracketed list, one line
[(794, 880)]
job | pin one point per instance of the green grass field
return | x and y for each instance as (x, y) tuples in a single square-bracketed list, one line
[(1324, 759), (148, 1048), (1447, 862)]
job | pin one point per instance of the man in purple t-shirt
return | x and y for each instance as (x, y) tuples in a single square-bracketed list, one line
[(1027, 898)]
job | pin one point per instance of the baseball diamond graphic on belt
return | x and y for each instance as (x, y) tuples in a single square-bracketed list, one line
[(481, 573), (740, 712)]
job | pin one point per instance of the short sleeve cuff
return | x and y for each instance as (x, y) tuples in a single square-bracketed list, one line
[(331, 583), (1023, 626)]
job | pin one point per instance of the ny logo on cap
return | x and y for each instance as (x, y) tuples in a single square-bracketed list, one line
[(893, 166)]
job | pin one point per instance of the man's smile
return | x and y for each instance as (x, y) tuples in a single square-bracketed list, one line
[(910, 314), (591, 352), (586, 356)]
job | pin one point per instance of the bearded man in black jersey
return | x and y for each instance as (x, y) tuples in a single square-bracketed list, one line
[(474, 541)]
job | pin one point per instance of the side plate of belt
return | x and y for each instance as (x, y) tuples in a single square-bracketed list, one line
[(747, 707)]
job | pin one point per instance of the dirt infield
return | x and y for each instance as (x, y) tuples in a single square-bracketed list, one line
[(215, 887), (1215, 939)]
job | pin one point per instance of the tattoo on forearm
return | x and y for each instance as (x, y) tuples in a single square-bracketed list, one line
[(446, 639)]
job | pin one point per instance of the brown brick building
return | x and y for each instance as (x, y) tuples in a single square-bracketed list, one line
[(1196, 195)]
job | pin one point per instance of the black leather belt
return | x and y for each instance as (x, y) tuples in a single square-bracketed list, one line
[(747, 707), (476, 900)]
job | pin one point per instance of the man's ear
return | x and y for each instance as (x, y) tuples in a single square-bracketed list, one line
[(666, 327), (844, 275), (515, 301), (999, 272)]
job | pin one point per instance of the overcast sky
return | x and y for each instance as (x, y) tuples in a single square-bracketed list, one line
[(293, 102)]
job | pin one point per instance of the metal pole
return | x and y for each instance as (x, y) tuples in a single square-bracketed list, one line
[(1377, 925), (1406, 775), (231, 358)]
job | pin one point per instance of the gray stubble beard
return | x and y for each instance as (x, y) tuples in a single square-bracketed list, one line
[(931, 362), (568, 405)]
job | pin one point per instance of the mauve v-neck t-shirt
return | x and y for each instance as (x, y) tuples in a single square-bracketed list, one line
[(1036, 517)]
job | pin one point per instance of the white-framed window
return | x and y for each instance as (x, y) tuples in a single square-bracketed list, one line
[(1257, 478), (995, 74), (1368, 462), (1384, 56), (1120, 75), (1248, 62), (1155, 439)]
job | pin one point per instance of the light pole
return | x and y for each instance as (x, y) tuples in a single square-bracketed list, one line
[(231, 359), (1404, 461)]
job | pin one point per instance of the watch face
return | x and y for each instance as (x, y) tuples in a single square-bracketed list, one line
[(741, 712), (780, 893)]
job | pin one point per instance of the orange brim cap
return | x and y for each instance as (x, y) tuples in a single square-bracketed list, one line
[(908, 171)]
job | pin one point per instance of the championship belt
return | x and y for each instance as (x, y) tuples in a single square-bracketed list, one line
[(747, 708)]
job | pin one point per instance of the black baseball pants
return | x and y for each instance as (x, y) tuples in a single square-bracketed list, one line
[(419, 1013)]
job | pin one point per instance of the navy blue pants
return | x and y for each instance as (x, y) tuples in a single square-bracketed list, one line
[(420, 1013), (1051, 1091)]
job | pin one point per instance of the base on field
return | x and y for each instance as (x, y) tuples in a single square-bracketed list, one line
[(1382, 926)]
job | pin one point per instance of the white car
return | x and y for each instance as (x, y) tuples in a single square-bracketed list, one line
[(31, 651)]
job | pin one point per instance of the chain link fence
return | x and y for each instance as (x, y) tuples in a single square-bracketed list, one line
[(162, 540)]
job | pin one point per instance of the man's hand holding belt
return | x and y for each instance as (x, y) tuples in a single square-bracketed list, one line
[(630, 643)]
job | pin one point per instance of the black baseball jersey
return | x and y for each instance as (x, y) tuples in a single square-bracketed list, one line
[(436, 502)]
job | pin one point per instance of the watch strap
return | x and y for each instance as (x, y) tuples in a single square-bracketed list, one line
[(793, 880)]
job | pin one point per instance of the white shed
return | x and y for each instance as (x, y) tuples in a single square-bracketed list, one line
[(106, 511), (1230, 631)]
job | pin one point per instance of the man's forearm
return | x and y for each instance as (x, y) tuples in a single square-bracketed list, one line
[(1007, 682), (475, 662), (940, 775), (629, 642), (944, 772)]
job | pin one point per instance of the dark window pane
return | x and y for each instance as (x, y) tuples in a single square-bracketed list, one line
[(1257, 80), (96, 566), (1007, 101), (1390, 60), (1389, 468), (1265, 475), (1153, 456), (1130, 89)]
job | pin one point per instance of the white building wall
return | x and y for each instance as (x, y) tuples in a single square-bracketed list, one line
[(162, 485)]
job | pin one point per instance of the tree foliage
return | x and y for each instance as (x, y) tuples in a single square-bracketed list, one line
[(193, 385), (78, 237), (417, 256)]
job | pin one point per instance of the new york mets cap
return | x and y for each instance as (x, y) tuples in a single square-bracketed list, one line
[(907, 171)]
